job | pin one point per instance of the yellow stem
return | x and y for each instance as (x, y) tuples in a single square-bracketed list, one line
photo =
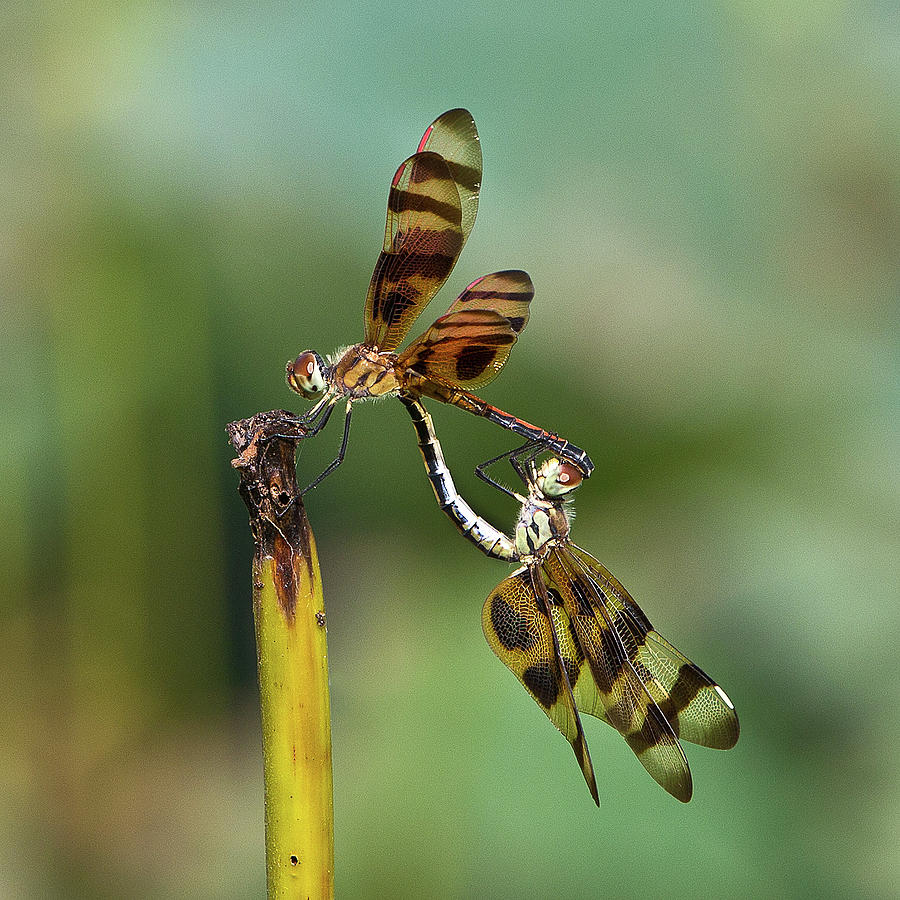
[(292, 663), (292, 656)]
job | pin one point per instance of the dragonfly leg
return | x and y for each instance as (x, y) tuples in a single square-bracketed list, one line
[(522, 459), (529, 449), (311, 423), (317, 418), (340, 457)]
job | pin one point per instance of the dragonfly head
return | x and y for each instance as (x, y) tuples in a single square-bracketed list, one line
[(307, 375), (556, 479)]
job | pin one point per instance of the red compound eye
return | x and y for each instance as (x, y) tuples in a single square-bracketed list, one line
[(304, 365), (569, 476)]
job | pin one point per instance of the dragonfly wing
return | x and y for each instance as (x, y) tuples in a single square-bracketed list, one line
[(696, 707), (466, 348), (471, 342), (422, 241), (627, 704), (521, 628), (509, 293), (455, 137)]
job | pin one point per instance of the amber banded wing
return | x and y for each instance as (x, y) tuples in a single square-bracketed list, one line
[(422, 241), (466, 348), (455, 137), (584, 689), (696, 707), (537, 648), (509, 293), (622, 700), (471, 342)]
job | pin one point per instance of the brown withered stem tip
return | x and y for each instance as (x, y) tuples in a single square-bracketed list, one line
[(268, 483)]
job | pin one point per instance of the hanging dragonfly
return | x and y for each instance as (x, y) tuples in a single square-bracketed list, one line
[(432, 205), (573, 635)]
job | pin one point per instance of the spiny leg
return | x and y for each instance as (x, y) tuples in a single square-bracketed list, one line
[(340, 457), (313, 422), (317, 418), (529, 450), (301, 427), (523, 460)]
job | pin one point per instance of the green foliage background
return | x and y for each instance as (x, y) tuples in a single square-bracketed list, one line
[(707, 198)]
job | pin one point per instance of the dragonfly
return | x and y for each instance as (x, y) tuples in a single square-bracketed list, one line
[(573, 635), (432, 204)]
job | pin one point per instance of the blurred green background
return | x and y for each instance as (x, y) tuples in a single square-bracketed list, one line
[(707, 198)]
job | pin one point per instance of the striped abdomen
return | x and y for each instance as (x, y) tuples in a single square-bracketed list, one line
[(481, 533), (478, 407)]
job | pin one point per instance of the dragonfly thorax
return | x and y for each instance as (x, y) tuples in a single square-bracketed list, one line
[(363, 371), (541, 525)]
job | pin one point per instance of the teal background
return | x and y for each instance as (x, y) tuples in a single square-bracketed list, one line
[(707, 198)]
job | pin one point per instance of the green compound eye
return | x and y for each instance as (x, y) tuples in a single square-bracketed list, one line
[(304, 375), (557, 478)]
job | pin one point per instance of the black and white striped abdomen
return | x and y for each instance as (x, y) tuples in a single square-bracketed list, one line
[(480, 532)]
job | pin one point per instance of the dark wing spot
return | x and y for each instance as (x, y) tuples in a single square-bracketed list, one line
[(631, 629), (465, 175), (394, 305), (581, 598), (573, 669), (423, 355), (554, 596), (472, 361), (620, 715), (642, 672), (613, 659), (393, 293), (541, 680), (650, 734), (476, 294), (690, 681), (511, 628), (639, 620), (517, 323), (402, 201)]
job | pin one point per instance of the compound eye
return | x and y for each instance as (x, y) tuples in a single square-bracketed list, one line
[(305, 365), (558, 478), (304, 375), (569, 477)]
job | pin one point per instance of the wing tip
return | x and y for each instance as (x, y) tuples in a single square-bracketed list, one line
[(588, 771), (683, 789)]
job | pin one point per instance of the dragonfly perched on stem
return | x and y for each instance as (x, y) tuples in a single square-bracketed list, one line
[(432, 205), (572, 634)]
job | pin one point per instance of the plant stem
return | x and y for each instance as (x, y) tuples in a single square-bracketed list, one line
[(292, 662)]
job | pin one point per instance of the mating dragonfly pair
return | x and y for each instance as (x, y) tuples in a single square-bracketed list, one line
[(561, 622)]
